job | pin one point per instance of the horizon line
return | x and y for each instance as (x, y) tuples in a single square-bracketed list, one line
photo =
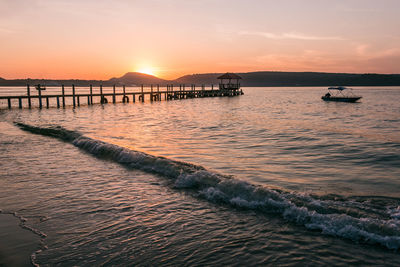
[(150, 75)]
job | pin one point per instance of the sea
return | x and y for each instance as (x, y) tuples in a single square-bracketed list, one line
[(269, 178)]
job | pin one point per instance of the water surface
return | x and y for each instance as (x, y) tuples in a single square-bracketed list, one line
[(275, 176)]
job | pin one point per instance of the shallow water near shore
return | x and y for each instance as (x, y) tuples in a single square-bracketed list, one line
[(276, 176)]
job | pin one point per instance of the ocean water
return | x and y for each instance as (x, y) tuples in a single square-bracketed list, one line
[(274, 177)]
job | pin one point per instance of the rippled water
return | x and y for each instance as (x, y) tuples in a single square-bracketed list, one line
[(275, 176)]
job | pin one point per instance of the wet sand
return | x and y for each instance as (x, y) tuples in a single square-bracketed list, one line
[(16, 244)]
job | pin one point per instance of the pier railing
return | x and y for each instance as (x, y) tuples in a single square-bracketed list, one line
[(62, 96)]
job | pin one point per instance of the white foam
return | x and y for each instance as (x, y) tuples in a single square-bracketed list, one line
[(394, 212), (341, 217)]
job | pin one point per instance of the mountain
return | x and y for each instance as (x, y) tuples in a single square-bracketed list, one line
[(261, 78), (276, 78), (137, 78), (270, 78), (198, 79)]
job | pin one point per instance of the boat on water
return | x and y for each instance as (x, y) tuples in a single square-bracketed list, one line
[(40, 87), (340, 94)]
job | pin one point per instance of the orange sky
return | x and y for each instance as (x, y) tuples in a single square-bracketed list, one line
[(102, 39)]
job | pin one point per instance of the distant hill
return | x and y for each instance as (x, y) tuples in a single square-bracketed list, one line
[(136, 78), (273, 78), (269, 78), (23, 82), (205, 78), (261, 78)]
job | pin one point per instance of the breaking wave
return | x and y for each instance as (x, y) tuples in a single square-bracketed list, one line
[(372, 220)]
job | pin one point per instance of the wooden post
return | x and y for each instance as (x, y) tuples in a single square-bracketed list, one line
[(114, 93), (63, 95), (20, 102), (133, 98), (142, 93), (9, 102), (40, 98), (151, 93), (101, 94), (124, 97), (212, 87), (73, 95), (91, 95), (47, 102), (29, 95), (58, 102), (77, 98), (88, 100)]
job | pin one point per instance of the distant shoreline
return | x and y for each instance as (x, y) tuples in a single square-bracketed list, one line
[(249, 79)]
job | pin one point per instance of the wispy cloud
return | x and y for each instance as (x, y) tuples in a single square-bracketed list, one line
[(364, 59), (291, 35), (368, 52), (4, 30)]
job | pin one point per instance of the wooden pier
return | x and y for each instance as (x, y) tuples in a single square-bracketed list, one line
[(118, 94)]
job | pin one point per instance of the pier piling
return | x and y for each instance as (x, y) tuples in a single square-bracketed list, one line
[(73, 96), (29, 96), (40, 98), (91, 95), (153, 94), (113, 97), (63, 95)]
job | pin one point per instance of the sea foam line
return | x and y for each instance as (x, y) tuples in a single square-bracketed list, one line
[(24, 225), (336, 217)]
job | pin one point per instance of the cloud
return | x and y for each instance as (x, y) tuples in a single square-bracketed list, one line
[(4, 30), (368, 52), (291, 35), (365, 60)]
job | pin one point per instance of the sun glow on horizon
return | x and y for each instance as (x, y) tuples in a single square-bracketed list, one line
[(147, 70)]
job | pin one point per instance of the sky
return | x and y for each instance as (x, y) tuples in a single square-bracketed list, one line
[(100, 39)]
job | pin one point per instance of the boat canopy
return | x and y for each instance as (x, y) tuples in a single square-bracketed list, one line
[(340, 88)]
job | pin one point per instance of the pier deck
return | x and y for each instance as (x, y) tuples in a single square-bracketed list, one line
[(151, 93)]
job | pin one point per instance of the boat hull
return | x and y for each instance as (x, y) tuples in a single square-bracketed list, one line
[(341, 99)]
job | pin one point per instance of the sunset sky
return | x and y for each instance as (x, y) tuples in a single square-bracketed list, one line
[(100, 39)]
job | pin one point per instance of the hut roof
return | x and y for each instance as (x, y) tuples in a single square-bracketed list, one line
[(229, 76)]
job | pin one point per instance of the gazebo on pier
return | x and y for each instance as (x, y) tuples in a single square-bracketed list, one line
[(229, 84)]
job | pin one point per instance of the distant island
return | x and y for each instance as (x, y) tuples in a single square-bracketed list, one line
[(254, 79)]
